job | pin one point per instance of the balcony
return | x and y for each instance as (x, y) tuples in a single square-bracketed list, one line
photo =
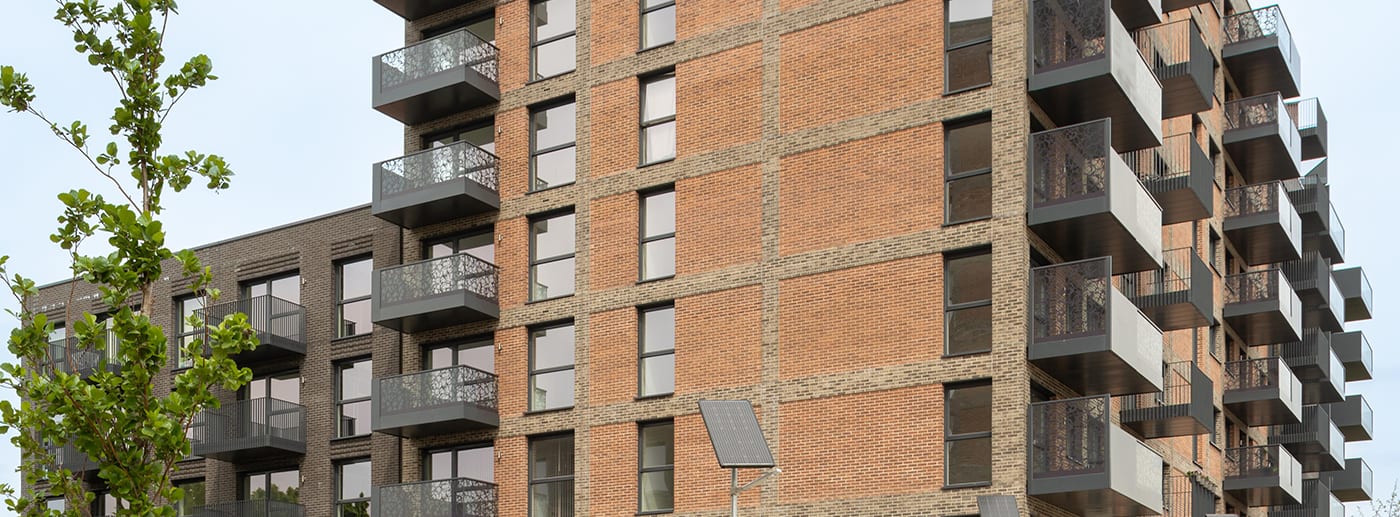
[(280, 325), (437, 77), (1087, 203), (1085, 66), (1263, 392), (250, 430), (1085, 333), (1354, 351), (435, 293), (1311, 278), (1184, 407), (1084, 464), (254, 508), (1262, 308), (1181, 295), (1183, 63), (1264, 475), (1353, 483), (68, 457), (1262, 141), (1330, 240), (1259, 53), (1315, 442), (1262, 224), (73, 358), (445, 400), (436, 185), (1354, 418), (1315, 364), (460, 497), (1318, 501), (414, 9), (1177, 5), (1134, 14), (1311, 197), (1180, 177), (1312, 126), (1356, 290), (1185, 497)]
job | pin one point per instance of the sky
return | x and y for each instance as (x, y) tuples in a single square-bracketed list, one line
[(291, 113)]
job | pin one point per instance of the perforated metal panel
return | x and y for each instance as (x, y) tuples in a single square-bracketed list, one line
[(997, 506), (735, 435)]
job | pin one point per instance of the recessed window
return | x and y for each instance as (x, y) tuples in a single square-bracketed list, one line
[(967, 303), (552, 367), (967, 433), (352, 297), (476, 353), (968, 60), (658, 351), (552, 476), (282, 386), (552, 256), (192, 499), (552, 50), (552, 149), (56, 503), (285, 287), (657, 467), (658, 23), (968, 170), (658, 234), (353, 489), (474, 462), (283, 486), (352, 394), (658, 118), (185, 307), (481, 135)]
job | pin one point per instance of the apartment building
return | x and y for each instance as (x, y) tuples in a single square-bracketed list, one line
[(1075, 252)]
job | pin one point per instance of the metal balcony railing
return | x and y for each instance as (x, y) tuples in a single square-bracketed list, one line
[(1176, 390), (460, 497), (1167, 46), (1071, 163), (1253, 199), (1262, 110), (1251, 374), (1260, 23), (1068, 32), (69, 457), (438, 165), (69, 356), (267, 314), (1258, 461), (1070, 300), (1316, 343), (254, 508), (247, 424), (439, 54), (1171, 160), (433, 388), (441, 275), (1069, 437), (1305, 113), (1254, 286), (1174, 277), (1336, 230)]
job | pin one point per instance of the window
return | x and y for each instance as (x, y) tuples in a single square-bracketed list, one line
[(282, 486), (968, 433), (656, 467), (658, 118), (658, 235), (552, 476), (968, 60), (192, 499), (480, 244), (286, 386), (552, 257), (477, 353), (185, 307), (105, 504), (658, 23), (480, 135), (658, 351), (968, 171), (552, 367), (352, 489), (352, 295), (967, 303), (286, 287), (352, 397), (551, 38), (56, 503), (1216, 428), (476, 462), (552, 134)]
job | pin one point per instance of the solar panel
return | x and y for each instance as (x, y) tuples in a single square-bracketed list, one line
[(735, 435), (996, 506)]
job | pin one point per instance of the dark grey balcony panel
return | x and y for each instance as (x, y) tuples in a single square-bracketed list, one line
[(250, 430), (1262, 308), (436, 185), (1354, 350), (434, 293), (1261, 140), (1265, 475), (253, 508), (1180, 177), (1315, 442), (1315, 364), (1311, 197), (1088, 335), (415, 9), (1185, 495), (459, 497), (1354, 418), (1312, 126), (1259, 53), (1185, 65), (1331, 240), (437, 77), (1177, 5), (1085, 66), (1356, 290), (280, 325), (1311, 278), (433, 402), (1083, 463), (1181, 295), (73, 357), (1318, 501), (1353, 483), (1184, 407), (1087, 203), (68, 457), (1138, 13), (1263, 392), (1262, 224)]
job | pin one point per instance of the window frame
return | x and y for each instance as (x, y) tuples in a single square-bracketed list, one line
[(267, 377), (950, 47), (340, 300), (949, 308), (643, 355), (455, 238), (536, 152), (532, 372), (643, 124), (949, 437), (339, 471), (245, 486), (950, 176), (643, 239), (536, 261), (337, 370), (642, 12), (456, 345), (180, 509), (181, 333), (245, 286), (642, 469), (537, 43), (428, 452), (530, 480), (456, 132)]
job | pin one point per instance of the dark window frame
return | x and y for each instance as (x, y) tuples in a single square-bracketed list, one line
[(644, 124), (338, 472), (643, 239), (950, 47), (245, 286), (643, 354), (480, 340), (949, 308), (535, 152), (429, 452), (949, 437), (456, 132), (530, 480), (341, 301), (530, 352), (245, 486), (643, 11), (428, 243), (536, 261), (180, 509), (642, 469), (950, 176), (338, 376), (181, 330), (243, 392), (536, 43)]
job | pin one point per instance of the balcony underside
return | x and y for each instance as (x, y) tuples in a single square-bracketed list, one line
[(1327, 243), (1177, 5), (1138, 13), (1312, 203), (436, 96), (440, 202), (1099, 234), (1353, 483), (1314, 142), (1090, 91), (434, 421), (1355, 354), (1260, 66), (452, 308), (1262, 239), (1188, 87), (415, 9), (1261, 406), (1095, 503), (1178, 309), (251, 449), (1090, 365), (1262, 322), (1309, 449), (1261, 154), (1261, 490), (1190, 418), (1184, 198), (272, 347)]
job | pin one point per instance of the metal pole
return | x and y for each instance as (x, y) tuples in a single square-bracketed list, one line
[(733, 492)]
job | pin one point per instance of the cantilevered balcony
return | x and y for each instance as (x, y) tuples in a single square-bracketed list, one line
[(1353, 417), (1312, 126), (70, 356), (1353, 483), (1318, 501), (437, 77), (1311, 278), (1261, 139), (1185, 65), (436, 185), (1184, 407), (459, 497), (1262, 308), (1330, 240), (251, 508), (1259, 53), (1315, 364), (1085, 333), (1177, 5), (1087, 203), (435, 293), (1180, 177), (1264, 475), (1181, 295), (68, 457), (249, 430), (1355, 352), (1085, 66), (280, 325), (1138, 13), (1084, 464), (1185, 496), (415, 9), (1311, 197), (1263, 225), (1263, 392), (1315, 442), (445, 400), (1356, 290)]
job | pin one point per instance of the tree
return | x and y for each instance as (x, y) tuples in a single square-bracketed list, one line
[(136, 436), (1387, 507)]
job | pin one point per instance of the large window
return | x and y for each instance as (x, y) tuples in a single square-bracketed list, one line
[(282, 486), (551, 38), (552, 476), (352, 297), (552, 256), (967, 433), (481, 135), (656, 467), (552, 135), (185, 333), (658, 23), (353, 488), (192, 499), (286, 287), (657, 375), (658, 118), (284, 386), (352, 397), (968, 40), (476, 462), (476, 353), (106, 504), (658, 234), (968, 170), (967, 303), (478, 244), (552, 367), (55, 503)]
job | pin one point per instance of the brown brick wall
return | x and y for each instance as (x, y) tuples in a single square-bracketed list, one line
[(718, 220)]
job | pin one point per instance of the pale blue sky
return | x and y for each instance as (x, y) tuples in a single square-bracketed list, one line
[(292, 115)]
